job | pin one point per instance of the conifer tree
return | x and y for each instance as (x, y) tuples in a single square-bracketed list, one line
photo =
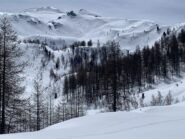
[(10, 70)]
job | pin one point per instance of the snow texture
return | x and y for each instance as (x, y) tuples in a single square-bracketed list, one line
[(147, 123), (52, 24)]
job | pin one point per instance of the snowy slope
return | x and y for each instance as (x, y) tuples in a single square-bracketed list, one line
[(55, 25), (176, 87), (35, 58), (148, 123)]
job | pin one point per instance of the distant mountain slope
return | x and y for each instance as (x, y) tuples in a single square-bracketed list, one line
[(161, 11), (51, 23)]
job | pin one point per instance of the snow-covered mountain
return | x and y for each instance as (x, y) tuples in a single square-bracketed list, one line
[(60, 29), (162, 11), (63, 28), (152, 122)]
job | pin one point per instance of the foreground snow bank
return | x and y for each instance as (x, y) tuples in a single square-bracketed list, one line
[(147, 123)]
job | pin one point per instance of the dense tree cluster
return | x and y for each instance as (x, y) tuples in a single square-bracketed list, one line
[(105, 74)]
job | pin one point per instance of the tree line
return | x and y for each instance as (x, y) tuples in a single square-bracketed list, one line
[(106, 76)]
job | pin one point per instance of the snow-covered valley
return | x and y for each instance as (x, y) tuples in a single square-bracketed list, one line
[(60, 29), (45, 35)]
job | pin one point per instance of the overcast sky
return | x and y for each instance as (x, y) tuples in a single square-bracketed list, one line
[(162, 11)]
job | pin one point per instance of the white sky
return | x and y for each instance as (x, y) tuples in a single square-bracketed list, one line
[(162, 11)]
